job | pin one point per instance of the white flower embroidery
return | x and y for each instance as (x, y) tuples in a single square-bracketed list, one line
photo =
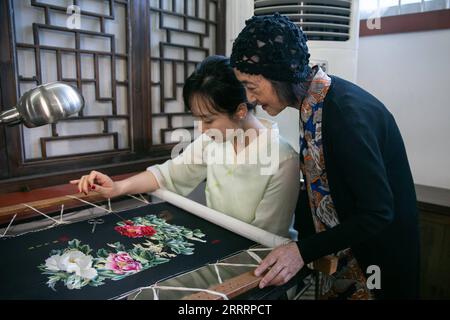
[(72, 261)]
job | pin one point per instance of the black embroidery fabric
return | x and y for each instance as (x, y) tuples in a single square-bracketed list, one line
[(21, 279), (274, 47)]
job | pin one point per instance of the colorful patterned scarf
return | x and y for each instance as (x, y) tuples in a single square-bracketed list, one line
[(348, 282)]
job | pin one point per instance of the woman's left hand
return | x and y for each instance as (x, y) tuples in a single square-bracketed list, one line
[(284, 262)]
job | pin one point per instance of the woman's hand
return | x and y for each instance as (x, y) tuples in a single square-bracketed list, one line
[(284, 262), (98, 182)]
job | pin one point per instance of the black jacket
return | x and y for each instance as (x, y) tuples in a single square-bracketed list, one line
[(372, 189)]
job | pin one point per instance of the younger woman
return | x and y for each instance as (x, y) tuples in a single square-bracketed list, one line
[(238, 182)]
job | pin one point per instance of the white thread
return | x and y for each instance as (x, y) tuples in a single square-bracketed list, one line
[(109, 204), (50, 226), (260, 249), (32, 231), (9, 225), (218, 273), (237, 264), (90, 203), (36, 210), (254, 256), (144, 201), (250, 253), (156, 296), (61, 214), (143, 198)]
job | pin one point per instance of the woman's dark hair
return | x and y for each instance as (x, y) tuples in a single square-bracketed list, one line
[(289, 93), (214, 81)]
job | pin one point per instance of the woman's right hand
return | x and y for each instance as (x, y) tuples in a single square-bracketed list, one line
[(98, 182)]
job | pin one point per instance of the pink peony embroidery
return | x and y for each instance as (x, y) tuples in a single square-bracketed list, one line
[(133, 231), (121, 263)]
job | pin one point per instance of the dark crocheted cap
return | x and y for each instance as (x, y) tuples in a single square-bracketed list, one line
[(272, 46)]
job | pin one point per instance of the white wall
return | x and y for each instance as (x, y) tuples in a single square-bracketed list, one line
[(237, 11), (410, 74)]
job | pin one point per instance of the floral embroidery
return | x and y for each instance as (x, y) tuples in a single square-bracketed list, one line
[(76, 266), (121, 263), (170, 236), (133, 231), (72, 266)]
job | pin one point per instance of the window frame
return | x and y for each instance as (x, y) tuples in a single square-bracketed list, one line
[(413, 22)]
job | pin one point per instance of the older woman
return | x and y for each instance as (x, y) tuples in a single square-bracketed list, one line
[(359, 203)]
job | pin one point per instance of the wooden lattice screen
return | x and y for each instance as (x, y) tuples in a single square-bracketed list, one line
[(129, 58), (183, 34), (74, 56)]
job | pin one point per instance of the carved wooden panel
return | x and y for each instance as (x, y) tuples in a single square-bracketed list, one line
[(183, 33), (93, 57)]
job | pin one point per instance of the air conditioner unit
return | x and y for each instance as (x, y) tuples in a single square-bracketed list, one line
[(332, 27)]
